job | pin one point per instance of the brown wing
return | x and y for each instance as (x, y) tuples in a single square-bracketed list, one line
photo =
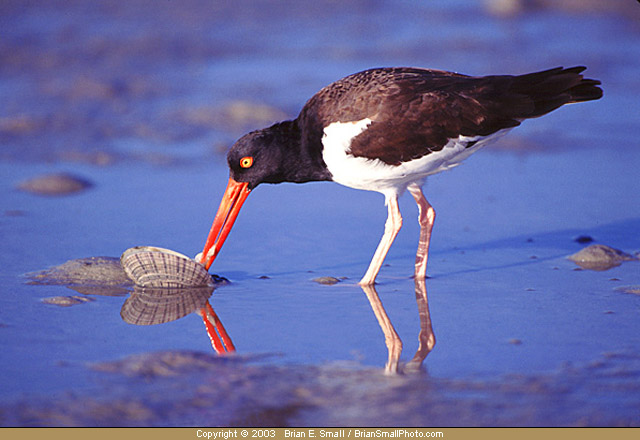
[(416, 111)]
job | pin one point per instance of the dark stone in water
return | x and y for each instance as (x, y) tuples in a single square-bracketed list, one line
[(219, 280), (583, 239)]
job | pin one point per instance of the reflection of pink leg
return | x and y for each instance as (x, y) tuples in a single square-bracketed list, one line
[(426, 218), (221, 342), (391, 228), (391, 338), (426, 337)]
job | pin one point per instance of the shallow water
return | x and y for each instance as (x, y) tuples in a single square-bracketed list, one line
[(511, 315)]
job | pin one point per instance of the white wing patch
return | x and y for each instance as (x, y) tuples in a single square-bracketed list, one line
[(375, 175)]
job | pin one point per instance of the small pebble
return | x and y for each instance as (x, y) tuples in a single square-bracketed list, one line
[(55, 184), (326, 280), (66, 301), (583, 239), (634, 290)]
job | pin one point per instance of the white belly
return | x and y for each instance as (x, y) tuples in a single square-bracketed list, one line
[(375, 175)]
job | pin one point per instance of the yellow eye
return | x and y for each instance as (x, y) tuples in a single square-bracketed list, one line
[(246, 162)]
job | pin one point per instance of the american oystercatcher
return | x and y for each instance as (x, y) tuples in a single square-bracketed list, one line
[(386, 130)]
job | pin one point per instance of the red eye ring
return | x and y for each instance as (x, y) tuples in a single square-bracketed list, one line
[(246, 162)]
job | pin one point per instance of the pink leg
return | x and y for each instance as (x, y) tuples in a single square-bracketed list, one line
[(426, 218), (391, 228)]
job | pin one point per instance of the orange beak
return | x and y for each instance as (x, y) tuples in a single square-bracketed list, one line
[(232, 200)]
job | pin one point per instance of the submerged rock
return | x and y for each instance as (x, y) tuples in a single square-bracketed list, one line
[(94, 275), (327, 280), (67, 301), (600, 257), (55, 184), (634, 290)]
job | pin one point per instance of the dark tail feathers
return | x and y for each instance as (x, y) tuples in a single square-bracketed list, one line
[(553, 88)]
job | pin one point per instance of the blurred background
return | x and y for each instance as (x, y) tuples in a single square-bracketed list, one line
[(105, 81), (115, 117)]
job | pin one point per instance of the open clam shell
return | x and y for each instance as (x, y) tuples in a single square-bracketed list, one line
[(150, 266)]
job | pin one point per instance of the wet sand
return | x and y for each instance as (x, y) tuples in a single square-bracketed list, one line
[(187, 388), (137, 103)]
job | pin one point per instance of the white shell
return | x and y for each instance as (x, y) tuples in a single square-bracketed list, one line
[(150, 266)]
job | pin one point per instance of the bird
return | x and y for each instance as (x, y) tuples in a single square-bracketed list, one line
[(387, 129)]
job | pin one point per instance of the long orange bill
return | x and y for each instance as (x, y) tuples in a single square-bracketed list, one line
[(232, 200)]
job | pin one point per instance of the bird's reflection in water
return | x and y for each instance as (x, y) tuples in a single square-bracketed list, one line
[(156, 305), (150, 306), (426, 336)]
